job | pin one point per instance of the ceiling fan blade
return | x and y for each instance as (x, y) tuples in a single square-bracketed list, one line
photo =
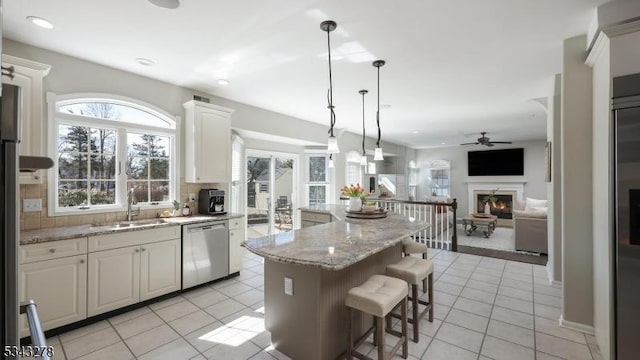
[(473, 143), (488, 144), (500, 142)]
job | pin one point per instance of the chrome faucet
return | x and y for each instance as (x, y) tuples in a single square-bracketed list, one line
[(131, 200)]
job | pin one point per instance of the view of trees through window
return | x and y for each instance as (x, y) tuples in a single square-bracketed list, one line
[(87, 160)]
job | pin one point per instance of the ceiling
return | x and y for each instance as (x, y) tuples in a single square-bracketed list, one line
[(454, 67)]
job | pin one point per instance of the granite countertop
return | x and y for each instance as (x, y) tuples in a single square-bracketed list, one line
[(352, 239), (72, 232)]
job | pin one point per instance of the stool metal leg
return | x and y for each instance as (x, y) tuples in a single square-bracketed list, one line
[(380, 336), (424, 281), (405, 342), (430, 277), (414, 303)]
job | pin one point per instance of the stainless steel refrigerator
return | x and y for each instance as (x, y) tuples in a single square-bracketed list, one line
[(9, 142), (626, 121)]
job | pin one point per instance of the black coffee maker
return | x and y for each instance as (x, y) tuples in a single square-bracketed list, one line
[(211, 202)]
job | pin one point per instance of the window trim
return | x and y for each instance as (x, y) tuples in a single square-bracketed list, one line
[(54, 118), (307, 182)]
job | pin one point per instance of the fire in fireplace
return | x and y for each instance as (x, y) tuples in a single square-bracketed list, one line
[(502, 207)]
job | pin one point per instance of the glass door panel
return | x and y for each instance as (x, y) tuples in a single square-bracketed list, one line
[(258, 196), (283, 194)]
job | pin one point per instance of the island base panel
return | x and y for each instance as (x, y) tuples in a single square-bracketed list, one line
[(312, 323)]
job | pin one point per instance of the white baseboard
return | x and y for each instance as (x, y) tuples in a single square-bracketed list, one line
[(550, 277), (589, 329)]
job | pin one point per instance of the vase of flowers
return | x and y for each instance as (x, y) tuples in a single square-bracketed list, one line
[(354, 192), (490, 200)]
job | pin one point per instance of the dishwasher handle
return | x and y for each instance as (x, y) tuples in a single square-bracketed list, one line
[(208, 227)]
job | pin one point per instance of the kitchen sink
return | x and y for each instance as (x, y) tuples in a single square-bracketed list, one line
[(131, 224)]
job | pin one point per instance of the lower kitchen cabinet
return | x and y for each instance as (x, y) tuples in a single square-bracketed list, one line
[(125, 276), (114, 279), (59, 288), (159, 268), (236, 237)]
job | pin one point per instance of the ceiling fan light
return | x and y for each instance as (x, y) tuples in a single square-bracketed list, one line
[(363, 160), (332, 145), (377, 155)]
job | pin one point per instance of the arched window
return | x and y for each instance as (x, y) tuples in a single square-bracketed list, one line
[(353, 169), (105, 145)]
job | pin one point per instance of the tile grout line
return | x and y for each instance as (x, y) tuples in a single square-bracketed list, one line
[(535, 344), (484, 336), (121, 338)]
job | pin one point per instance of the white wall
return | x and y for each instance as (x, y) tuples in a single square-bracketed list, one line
[(602, 189), (554, 214), (535, 186), (577, 236)]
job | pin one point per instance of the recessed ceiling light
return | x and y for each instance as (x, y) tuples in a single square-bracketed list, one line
[(38, 21), (415, 132), (443, 143), (167, 4), (223, 82), (145, 61)]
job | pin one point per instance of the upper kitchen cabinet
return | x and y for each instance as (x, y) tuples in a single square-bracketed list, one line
[(29, 75), (207, 143)]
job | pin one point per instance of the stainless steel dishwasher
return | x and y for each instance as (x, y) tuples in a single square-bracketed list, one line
[(205, 252)]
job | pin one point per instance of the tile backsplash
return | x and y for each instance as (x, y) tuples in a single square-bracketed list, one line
[(41, 219)]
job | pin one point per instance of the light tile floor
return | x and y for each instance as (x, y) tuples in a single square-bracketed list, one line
[(485, 308)]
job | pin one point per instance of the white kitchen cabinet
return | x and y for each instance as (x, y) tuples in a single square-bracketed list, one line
[(236, 237), (159, 268), (114, 279), (129, 267), (59, 288), (28, 75), (207, 143)]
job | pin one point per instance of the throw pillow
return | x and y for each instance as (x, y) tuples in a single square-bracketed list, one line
[(534, 203)]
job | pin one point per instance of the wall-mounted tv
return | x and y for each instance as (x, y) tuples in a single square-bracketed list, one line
[(505, 162)]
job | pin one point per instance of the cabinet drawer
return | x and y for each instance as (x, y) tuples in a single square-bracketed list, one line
[(132, 238), (52, 250), (235, 223), (316, 217)]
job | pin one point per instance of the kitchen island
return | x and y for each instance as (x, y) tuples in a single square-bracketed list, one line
[(308, 273)]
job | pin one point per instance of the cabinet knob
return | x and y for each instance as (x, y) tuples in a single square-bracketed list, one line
[(52, 250), (137, 250), (232, 233), (143, 249), (82, 261)]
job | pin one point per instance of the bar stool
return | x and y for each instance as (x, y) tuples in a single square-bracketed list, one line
[(410, 246), (378, 296), (415, 271)]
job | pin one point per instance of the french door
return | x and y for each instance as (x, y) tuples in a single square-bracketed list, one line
[(271, 192)]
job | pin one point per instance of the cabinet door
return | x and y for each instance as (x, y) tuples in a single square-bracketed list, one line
[(212, 156), (59, 288), (114, 279), (159, 268), (236, 237)]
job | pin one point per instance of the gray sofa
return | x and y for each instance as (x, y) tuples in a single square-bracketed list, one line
[(530, 230)]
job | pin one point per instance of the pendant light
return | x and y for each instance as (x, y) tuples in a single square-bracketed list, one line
[(331, 164), (332, 143), (378, 152), (363, 161)]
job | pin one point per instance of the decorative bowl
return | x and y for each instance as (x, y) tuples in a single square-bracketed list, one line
[(369, 208)]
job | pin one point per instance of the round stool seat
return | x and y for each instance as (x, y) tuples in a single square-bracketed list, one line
[(378, 295), (410, 269), (410, 246)]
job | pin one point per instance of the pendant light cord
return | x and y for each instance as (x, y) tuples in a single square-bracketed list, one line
[(330, 91), (378, 112), (363, 92)]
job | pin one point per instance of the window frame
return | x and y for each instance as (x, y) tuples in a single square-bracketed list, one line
[(56, 118), (308, 183), (352, 163), (435, 166)]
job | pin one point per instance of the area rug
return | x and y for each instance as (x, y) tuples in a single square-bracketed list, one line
[(501, 239)]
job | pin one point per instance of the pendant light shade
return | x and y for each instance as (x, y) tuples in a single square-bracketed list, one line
[(363, 160), (332, 144), (331, 164), (377, 155)]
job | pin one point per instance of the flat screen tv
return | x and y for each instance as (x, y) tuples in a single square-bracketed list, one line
[(503, 162)]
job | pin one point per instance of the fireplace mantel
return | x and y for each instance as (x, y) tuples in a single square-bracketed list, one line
[(516, 186)]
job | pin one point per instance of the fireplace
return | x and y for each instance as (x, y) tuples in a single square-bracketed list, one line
[(501, 207), (479, 189)]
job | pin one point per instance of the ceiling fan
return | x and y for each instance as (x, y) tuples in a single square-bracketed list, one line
[(483, 140)]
